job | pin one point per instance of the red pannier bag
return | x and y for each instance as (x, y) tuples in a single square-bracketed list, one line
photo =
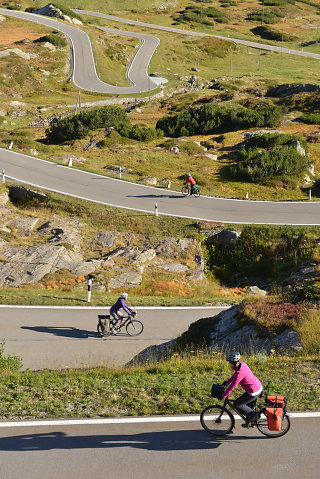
[(275, 410)]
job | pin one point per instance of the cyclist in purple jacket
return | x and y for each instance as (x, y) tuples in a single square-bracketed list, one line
[(248, 381), (115, 310)]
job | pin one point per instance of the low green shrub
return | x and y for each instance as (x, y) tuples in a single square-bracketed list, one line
[(265, 17), (269, 140), (310, 118), (77, 126), (210, 118), (278, 3), (270, 252), (201, 15), (11, 362), (137, 132), (257, 166), (311, 292)]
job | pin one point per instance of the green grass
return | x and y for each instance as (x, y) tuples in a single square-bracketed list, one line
[(179, 386), (78, 297)]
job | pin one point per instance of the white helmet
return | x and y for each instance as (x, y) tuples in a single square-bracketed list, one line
[(233, 357), (124, 295)]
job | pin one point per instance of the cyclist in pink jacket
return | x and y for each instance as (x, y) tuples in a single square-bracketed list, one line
[(248, 381)]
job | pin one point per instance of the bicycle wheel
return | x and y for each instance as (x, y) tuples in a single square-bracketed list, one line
[(217, 420), (134, 327), (262, 425), (196, 192), (185, 191)]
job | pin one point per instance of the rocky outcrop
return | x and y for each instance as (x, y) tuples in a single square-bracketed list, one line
[(255, 291), (24, 226), (127, 280), (17, 193), (60, 243), (292, 89), (52, 11), (306, 275), (228, 335), (18, 52), (62, 232), (222, 237)]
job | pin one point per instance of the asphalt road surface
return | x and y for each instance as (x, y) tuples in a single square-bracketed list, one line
[(128, 195), (260, 46), (82, 62), (175, 450), (67, 337)]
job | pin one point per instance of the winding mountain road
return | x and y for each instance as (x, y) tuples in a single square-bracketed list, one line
[(102, 189), (261, 46), (83, 68)]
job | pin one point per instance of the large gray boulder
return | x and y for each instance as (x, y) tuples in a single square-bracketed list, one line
[(24, 225), (173, 267), (255, 291), (223, 237), (297, 146), (107, 238), (127, 280), (22, 193)]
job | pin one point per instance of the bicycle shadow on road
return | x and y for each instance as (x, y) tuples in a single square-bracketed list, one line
[(65, 331), (75, 333), (156, 196), (181, 440)]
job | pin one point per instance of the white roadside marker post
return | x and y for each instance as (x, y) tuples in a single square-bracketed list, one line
[(156, 209), (89, 290)]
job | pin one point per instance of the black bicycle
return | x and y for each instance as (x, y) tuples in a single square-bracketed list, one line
[(219, 420), (106, 324), (186, 191)]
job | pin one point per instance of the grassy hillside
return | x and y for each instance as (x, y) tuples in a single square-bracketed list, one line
[(180, 385)]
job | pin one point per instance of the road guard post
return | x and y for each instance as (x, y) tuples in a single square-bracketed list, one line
[(89, 288)]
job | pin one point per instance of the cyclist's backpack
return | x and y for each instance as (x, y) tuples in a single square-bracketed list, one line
[(275, 408)]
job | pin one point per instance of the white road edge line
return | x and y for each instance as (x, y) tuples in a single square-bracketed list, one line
[(126, 420)]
